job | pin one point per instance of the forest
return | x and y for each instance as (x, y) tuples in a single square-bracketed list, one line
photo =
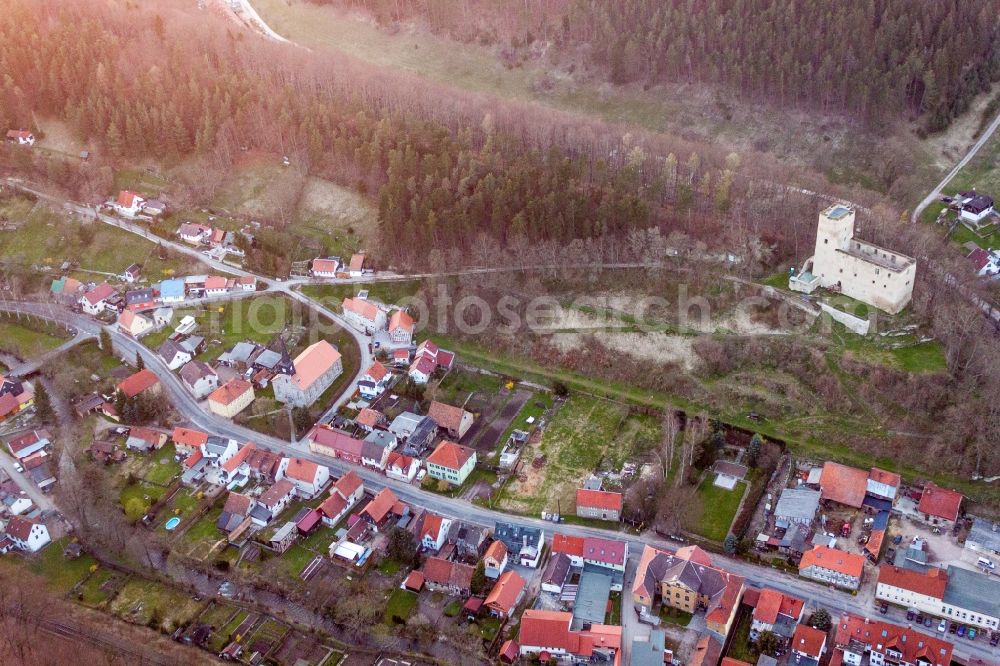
[(877, 60), (441, 165)]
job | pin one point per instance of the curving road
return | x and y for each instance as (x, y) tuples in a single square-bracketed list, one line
[(198, 417), (936, 192)]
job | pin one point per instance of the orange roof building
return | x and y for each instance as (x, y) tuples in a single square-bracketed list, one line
[(808, 641), (231, 398), (939, 504), (843, 485), (451, 462), (505, 595), (833, 566), (316, 368), (599, 504), (141, 382), (547, 634)]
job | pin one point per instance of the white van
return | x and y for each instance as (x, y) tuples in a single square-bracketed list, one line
[(986, 563)]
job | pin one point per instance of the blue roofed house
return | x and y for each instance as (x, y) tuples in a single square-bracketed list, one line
[(172, 291)]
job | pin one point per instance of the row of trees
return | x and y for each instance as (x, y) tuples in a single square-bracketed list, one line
[(877, 59)]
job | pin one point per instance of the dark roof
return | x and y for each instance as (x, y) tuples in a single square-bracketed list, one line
[(557, 569), (139, 296), (978, 203)]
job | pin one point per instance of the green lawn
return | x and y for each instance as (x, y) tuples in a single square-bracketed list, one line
[(675, 616), (534, 408), (205, 529), (922, 357), (60, 574), (739, 647), (718, 509), (390, 292), (389, 567), (453, 608), (91, 592), (614, 616), (30, 340), (162, 467), (146, 602), (489, 627), (399, 607), (141, 181), (295, 559), (136, 499)]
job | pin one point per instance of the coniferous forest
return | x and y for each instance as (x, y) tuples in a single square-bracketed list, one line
[(877, 60)]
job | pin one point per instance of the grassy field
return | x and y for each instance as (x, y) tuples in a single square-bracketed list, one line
[(93, 592), (60, 573), (584, 435), (46, 238), (162, 468), (29, 341), (136, 499), (718, 509), (388, 292), (146, 602), (400, 606)]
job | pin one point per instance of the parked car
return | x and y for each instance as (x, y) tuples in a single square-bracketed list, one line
[(920, 618), (994, 639), (961, 630), (898, 539), (952, 628), (928, 621), (943, 626), (884, 608), (986, 563), (910, 615), (972, 633)]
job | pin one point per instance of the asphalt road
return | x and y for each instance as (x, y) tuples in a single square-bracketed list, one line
[(184, 402)]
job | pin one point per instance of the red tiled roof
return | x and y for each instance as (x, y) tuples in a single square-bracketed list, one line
[(443, 572), (844, 485), (608, 551), (361, 307), (450, 455), (400, 319), (979, 258), (326, 436), (910, 643), (20, 528), (431, 526), (888, 478), (333, 506), (696, 555), (415, 581), (18, 134), (275, 493), (567, 544), (127, 198), (135, 384), (27, 439), (230, 391), (940, 502), (239, 458), (357, 261), (808, 640), (377, 371), (931, 584), (496, 551), (771, 604), (189, 437), (314, 361), (446, 416), (423, 364), (505, 593), (849, 564), (301, 470), (599, 499), (348, 484), (99, 293), (324, 265), (213, 282), (368, 417), (193, 459), (729, 661), (381, 505)]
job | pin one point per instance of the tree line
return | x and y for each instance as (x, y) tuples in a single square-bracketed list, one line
[(877, 59)]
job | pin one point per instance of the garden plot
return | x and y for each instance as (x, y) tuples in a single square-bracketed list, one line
[(148, 603), (584, 435)]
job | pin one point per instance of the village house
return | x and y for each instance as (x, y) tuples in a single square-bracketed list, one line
[(775, 612), (442, 575), (344, 495), (808, 645), (309, 478), (200, 378), (140, 299), (357, 266), (325, 267), (974, 207), (401, 357), (470, 541), (983, 537), (283, 538), (187, 441), (433, 532), (940, 506), (105, 452), (172, 354), (15, 397), (96, 300), (328, 441), (235, 516), (451, 462), (374, 382), (216, 285), (162, 316), (245, 283), (21, 137), (363, 314), (401, 467), (599, 504), (368, 419), (376, 447), (796, 506), (547, 634), (495, 560), (231, 398), (688, 581), (986, 263), (843, 485), (277, 498), (884, 643), (415, 432), (401, 327), (505, 595), (958, 595), (455, 421), (556, 573), (428, 359), (833, 567), (131, 273), (235, 471), (384, 508), (861, 270), (316, 368), (193, 233), (145, 440), (525, 543), (134, 324), (263, 465), (128, 203), (27, 443), (143, 382), (172, 291), (27, 535)]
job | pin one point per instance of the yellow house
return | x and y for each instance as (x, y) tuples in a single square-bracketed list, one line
[(231, 398)]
